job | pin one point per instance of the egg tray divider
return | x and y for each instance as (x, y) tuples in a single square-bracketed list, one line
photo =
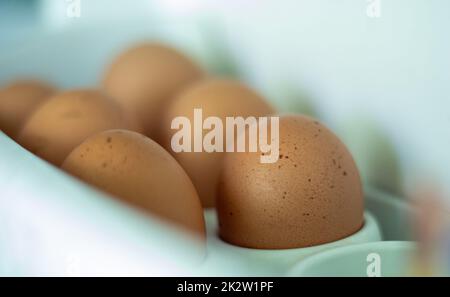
[(52, 224)]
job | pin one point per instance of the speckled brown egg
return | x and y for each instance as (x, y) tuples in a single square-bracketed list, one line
[(312, 195), (139, 171), (18, 100), (219, 98), (145, 77), (66, 120)]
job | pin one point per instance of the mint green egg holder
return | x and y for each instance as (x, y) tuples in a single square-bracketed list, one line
[(374, 259), (387, 220)]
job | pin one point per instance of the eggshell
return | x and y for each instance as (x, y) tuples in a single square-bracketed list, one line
[(18, 100), (139, 171), (145, 77), (216, 97), (311, 195), (66, 120)]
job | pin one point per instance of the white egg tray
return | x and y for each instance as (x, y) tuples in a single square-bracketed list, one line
[(52, 224)]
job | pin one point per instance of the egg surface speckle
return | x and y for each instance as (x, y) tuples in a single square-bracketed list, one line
[(312, 195), (137, 170)]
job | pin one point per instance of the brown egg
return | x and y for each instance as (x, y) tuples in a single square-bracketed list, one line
[(139, 171), (219, 98), (66, 120), (18, 100), (145, 77), (311, 195)]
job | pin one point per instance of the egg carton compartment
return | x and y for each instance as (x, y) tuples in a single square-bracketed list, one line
[(386, 220), (277, 262), (394, 257), (51, 224)]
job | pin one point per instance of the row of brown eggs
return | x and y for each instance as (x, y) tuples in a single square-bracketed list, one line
[(117, 139)]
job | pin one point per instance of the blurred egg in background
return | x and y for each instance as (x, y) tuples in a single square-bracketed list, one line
[(18, 100), (375, 154)]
